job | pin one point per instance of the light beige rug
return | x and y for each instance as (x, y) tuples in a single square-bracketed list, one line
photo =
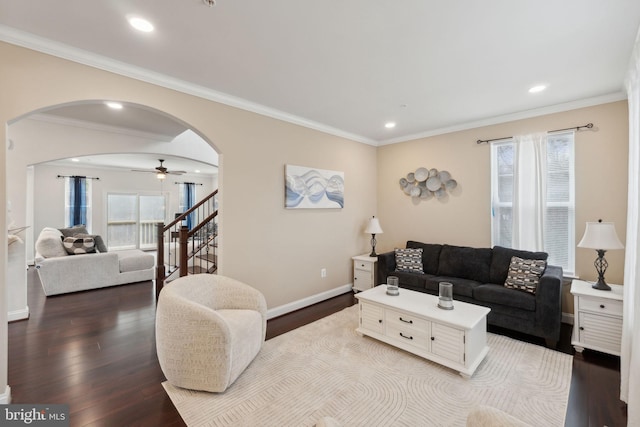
[(326, 369)]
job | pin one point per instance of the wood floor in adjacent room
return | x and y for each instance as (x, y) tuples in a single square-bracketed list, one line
[(95, 351)]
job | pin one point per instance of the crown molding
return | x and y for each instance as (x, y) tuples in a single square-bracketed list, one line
[(64, 121), (552, 109), (64, 51)]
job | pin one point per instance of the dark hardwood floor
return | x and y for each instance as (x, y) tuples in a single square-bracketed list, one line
[(95, 351)]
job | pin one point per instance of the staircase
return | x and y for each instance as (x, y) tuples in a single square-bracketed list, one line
[(182, 251)]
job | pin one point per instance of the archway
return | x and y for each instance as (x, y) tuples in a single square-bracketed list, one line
[(47, 138)]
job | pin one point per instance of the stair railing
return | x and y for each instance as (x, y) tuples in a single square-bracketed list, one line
[(189, 251)]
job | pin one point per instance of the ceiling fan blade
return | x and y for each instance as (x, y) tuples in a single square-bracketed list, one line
[(143, 170), (176, 172)]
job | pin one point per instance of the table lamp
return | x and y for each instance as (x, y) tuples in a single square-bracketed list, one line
[(373, 228), (600, 236)]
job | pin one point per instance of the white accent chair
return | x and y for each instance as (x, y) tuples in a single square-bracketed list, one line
[(208, 330)]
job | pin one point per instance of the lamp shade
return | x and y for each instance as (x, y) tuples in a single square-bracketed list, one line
[(373, 227), (600, 235)]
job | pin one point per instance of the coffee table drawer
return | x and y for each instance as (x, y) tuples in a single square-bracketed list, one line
[(419, 339), (407, 321)]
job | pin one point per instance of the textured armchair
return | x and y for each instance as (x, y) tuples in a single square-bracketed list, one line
[(208, 330)]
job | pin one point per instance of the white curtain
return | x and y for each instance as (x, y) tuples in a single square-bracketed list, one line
[(630, 353), (529, 191)]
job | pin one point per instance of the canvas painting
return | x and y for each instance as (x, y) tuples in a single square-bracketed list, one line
[(311, 188)]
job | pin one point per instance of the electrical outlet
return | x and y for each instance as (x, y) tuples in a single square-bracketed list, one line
[(323, 272)]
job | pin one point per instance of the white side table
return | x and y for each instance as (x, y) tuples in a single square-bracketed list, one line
[(598, 318), (364, 272)]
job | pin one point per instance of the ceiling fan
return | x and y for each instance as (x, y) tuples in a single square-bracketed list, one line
[(160, 171)]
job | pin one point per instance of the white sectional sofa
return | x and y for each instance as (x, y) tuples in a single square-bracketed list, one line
[(62, 273)]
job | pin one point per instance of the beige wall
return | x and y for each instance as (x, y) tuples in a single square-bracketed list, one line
[(276, 250), (463, 218)]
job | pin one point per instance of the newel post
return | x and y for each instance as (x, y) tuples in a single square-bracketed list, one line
[(160, 271), (184, 242)]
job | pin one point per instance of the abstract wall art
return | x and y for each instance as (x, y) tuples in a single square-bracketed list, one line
[(312, 188)]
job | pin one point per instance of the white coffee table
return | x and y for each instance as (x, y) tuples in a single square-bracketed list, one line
[(413, 322)]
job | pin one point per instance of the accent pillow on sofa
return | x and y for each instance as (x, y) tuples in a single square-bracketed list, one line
[(49, 243), (501, 259), (79, 245), (72, 231), (524, 274), (100, 246), (409, 260)]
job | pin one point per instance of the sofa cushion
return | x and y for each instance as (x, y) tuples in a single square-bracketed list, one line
[(524, 274), (72, 231), (79, 245), (411, 280), (465, 263), (501, 259), (462, 287), (409, 260), (498, 294), (49, 243), (134, 260), (430, 255)]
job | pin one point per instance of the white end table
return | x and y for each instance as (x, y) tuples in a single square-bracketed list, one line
[(364, 272), (597, 321)]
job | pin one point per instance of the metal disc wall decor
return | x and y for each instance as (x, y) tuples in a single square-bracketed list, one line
[(424, 184)]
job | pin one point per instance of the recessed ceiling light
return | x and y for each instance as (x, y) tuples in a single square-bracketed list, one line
[(197, 171), (140, 24), (114, 105), (390, 125), (537, 88), (75, 159)]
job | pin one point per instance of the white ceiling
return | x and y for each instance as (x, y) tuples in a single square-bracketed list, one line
[(347, 67)]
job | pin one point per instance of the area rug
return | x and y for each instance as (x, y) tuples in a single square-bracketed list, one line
[(327, 369)]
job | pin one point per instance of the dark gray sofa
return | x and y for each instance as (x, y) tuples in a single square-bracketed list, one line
[(478, 276)]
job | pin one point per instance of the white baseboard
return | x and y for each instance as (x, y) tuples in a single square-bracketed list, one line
[(567, 318), (5, 398), (18, 314), (305, 302)]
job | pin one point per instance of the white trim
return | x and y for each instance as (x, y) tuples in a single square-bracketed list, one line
[(305, 302), (527, 114), (63, 121), (60, 50), (5, 398), (21, 314), (567, 318)]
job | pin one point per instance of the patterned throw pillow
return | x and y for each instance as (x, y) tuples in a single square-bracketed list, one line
[(79, 245), (524, 274), (409, 260)]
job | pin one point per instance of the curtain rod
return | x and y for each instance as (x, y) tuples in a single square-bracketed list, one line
[(194, 183), (78, 176), (587, 126)]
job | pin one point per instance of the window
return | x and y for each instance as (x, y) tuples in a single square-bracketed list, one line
[(187, 200), (132, 220), (559, 211), (77, 201)]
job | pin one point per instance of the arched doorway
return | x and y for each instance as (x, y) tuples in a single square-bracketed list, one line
[(42, 145)]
